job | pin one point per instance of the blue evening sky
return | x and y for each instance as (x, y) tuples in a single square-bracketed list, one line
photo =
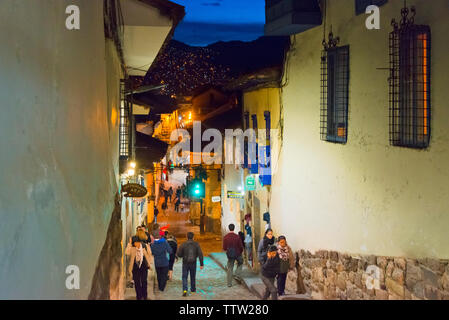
[(209, 21)]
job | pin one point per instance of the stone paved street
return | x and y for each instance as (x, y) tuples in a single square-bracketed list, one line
[(210, 282), (211, 285)]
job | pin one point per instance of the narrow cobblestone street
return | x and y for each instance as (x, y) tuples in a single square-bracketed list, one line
[(210, 282), (211, 285)]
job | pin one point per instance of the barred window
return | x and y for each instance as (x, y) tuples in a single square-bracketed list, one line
[(410, 84), (334, 94), (125, 125)]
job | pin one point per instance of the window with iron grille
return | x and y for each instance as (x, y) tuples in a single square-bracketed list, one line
[(410, 103), (125, 125), (361, 5), (334, 94)]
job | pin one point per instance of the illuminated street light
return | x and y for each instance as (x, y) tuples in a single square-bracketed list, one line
[(132, 165)]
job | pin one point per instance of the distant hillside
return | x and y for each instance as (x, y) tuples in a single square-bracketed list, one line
[(184, 68)]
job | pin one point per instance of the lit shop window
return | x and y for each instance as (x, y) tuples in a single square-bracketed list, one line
[(410, 105)]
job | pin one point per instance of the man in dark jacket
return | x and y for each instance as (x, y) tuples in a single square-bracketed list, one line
[(270, 269), (233, 246), (160, 249), (190, 251)]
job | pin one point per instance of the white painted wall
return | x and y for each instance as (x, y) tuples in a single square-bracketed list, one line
[(366, 196), (145, 32), (58, 147), (231, 208)]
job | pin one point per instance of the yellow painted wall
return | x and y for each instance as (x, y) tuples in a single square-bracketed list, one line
[(257, 102), (366, 196)]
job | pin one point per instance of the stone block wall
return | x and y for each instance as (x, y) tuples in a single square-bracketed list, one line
[(335, 275)]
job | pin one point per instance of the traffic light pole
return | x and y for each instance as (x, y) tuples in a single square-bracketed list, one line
[(201, 217)]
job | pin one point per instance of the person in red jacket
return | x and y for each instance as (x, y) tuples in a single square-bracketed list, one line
[(233, 246)]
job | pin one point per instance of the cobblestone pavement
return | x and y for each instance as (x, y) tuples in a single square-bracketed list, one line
[(210, 283), (179, 225)]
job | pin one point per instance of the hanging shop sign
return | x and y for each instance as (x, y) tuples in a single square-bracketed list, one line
[(134, 190), (235, 195), (216, 199), (250, 184), (265, 166)]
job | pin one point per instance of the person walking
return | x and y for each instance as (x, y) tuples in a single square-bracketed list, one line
[(264, 244), (160, 249), (139, 263), (233, 246), (170, 193), (178, 192), (156, 212), (287, 263), (190, 251), (270, 269), (174, 246), (177, 203)]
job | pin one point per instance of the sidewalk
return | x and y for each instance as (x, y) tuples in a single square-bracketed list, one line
[(251, 280)]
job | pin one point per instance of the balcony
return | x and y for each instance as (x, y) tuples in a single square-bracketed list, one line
[(148, 24), (288, 17)]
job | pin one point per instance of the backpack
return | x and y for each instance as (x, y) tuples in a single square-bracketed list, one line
[(190, 254)]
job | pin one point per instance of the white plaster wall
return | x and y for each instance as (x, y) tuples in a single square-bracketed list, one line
[(58, 147), (365, 196), (143, 22), (231, 208)]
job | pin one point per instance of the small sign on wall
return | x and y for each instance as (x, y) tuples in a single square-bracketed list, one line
[(235, 195), (216, 199), (250, 183), (134, 190)]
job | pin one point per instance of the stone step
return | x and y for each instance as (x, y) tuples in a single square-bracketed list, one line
[(296, 297)]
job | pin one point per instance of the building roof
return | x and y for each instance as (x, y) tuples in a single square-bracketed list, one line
[(175, 11), (262, 78), (149, 150), (204, 88), (157, 103)]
